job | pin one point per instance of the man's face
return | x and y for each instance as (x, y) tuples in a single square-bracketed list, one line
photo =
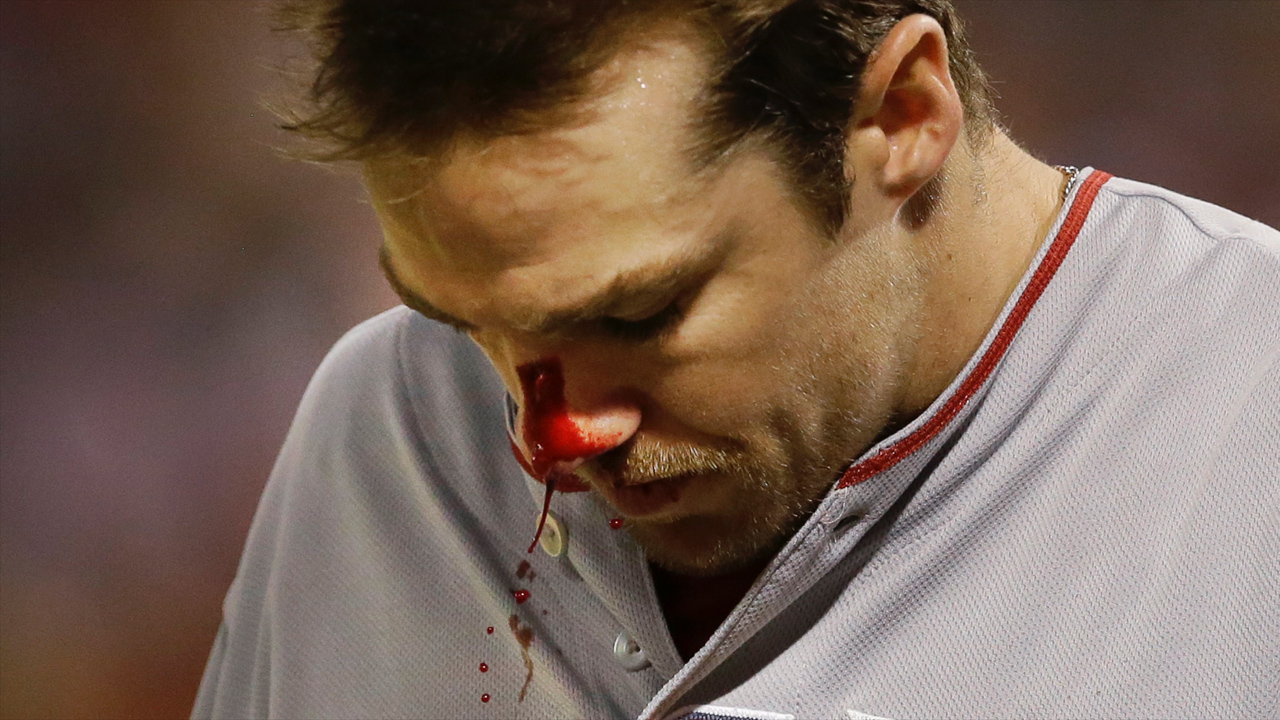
[(760, 354)]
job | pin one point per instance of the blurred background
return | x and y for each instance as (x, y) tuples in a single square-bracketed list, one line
[(168, 284)]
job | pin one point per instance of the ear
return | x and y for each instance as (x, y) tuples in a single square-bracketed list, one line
[(908, 115)]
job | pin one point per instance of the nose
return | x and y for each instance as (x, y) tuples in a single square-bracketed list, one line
[(553, 437)]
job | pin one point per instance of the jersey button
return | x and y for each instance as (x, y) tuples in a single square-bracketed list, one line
[(553, 537), (628, 653)]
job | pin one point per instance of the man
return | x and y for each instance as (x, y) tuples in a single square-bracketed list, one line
[(856, 409)]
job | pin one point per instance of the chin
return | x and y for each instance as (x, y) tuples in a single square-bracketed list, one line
[(705, 546)]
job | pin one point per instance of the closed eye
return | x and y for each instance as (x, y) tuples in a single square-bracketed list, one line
[(645, 329)]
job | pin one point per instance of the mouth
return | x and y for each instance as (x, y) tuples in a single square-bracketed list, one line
[(647, 499)]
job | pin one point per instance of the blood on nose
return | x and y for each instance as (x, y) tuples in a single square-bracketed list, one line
[(556, 441)]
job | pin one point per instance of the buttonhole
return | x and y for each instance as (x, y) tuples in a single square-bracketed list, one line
[(847, 522)]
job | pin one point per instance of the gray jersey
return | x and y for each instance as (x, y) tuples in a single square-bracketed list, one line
[(1083, 525)]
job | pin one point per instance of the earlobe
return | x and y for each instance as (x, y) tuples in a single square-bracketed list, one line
[(909, 114)]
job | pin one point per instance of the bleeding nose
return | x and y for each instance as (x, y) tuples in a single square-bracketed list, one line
[(555, 438)]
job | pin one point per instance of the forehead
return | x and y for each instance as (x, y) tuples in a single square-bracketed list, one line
[(614, 189)]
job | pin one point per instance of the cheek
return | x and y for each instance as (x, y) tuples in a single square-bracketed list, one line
[(750, 313), (745, 357), (730, 393), (793, 360)]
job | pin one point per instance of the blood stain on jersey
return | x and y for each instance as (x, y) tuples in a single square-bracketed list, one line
[(524, 636), (523, 569)]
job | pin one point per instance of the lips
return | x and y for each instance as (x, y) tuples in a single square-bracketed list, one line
[(648, 498)]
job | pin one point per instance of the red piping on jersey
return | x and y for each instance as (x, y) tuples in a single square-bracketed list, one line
[(890, 456)]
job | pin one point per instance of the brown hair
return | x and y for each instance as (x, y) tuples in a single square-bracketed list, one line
[(407, 75)]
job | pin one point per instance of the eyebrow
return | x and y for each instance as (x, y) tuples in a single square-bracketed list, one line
[(650, 282), (413, 300)]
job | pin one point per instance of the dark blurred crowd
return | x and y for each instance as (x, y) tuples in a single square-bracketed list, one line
[(168, 283)]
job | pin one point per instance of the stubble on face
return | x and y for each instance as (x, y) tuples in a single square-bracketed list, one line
[(842, 368), (702, 543)]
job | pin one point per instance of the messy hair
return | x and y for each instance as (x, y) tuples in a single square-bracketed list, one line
[(406, 76)]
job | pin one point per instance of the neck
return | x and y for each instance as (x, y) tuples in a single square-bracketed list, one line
[(997, 207), (695, 606)]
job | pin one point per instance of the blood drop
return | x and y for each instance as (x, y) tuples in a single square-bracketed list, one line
[(484, 667), (484, 697), (616, 523), (521, 596)]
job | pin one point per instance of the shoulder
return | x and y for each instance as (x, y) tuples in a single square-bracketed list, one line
[(1196, 284), (1139, 211), (1154, 353), (1171, 244), (1156, 349), (394, 365), (394, 477), (1155, 269), (396, 386), (398, 402)]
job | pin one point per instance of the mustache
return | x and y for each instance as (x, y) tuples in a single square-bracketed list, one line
[(647, 460)]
